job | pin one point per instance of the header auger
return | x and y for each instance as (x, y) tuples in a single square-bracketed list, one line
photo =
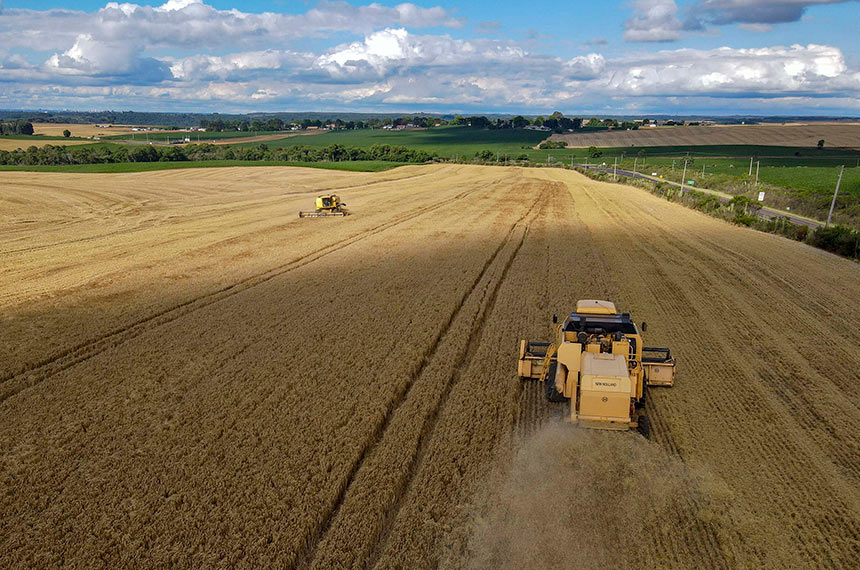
[(328, 205), (599, 362)]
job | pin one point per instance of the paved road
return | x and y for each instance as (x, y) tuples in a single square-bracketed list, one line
[(764, 213)]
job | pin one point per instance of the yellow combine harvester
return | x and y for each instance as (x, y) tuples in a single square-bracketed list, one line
[(328, 205), (598, 361)]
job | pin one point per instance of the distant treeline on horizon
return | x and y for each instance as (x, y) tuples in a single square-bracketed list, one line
[(184, 120)]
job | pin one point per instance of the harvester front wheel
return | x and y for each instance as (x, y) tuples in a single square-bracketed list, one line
[(644, 426), (552, 393)]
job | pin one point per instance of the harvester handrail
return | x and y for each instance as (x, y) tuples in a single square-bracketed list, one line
[(550, 352)]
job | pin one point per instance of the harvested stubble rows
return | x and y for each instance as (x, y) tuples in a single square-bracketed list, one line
[(79, 130), (56, 130), (23, 144), (191, 376), (834, 135)]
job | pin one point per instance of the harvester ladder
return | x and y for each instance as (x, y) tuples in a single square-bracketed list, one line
[(547, 359), (550, 352)]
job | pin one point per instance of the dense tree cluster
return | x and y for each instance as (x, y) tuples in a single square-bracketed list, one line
[(19, 127), (277, 124), (556, 122), (59, 155), (274, 122)]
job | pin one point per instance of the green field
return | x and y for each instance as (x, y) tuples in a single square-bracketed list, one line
[(787, 182), (806, 176), (363, 166), (449, 142), (464, 142)]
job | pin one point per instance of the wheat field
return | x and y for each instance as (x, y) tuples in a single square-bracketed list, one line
[(191, 376), (797, 135), (56, 130), (24, 144), (80, 130)]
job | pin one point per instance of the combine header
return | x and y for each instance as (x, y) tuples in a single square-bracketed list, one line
[(329, 205), (599, 362)]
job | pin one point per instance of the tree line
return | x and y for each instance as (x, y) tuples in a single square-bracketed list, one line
[(19, 127), (556, 122), (52, 155)]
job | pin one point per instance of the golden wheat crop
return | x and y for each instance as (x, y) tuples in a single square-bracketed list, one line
[(79, 130), (56, 130), (192, 376)]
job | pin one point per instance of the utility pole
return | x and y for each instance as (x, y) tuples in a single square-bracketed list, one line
[(615, 170), (833, 203), (750, 174), (703, 171), (673, 167), (684, 176), (757, 165), (586, 162), (634, 164)]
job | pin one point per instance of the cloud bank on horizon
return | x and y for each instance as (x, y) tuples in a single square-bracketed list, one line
[(187, 55)]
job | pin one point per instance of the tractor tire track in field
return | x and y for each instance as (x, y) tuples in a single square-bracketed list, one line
[(14, 383), (150, 223), (460, 366), (394, 439), (471, 311), (787, 374), (703, 539), (145, 225)]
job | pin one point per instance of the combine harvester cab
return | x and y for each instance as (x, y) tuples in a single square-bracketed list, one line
[(326, 206), (599, 363)]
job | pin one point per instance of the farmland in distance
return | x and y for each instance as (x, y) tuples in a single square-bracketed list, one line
[(800, 135), (192, 376)]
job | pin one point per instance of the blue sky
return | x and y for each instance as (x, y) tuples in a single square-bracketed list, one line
[(784, 57)]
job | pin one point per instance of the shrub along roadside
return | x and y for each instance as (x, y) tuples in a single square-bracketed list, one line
[(742, 211)]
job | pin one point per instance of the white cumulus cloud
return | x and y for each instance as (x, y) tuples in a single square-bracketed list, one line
[(194, 56), (97, 41), (811, 70), (653, 21)]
